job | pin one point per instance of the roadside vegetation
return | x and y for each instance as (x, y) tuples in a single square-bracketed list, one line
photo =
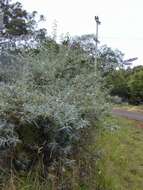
[(56, 129), (121, 165), (51, 95), (127, 84)]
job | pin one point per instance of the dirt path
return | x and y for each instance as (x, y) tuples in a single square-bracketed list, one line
[(128, 114)]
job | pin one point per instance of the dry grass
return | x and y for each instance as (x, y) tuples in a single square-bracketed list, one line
[(130, 108)]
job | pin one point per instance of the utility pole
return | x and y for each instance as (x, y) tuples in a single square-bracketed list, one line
[(96, 40), (1, 19), (97, 26)]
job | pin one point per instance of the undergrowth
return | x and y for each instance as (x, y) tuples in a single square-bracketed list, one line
[(79, 172)]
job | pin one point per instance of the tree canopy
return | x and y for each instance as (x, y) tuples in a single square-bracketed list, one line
[(127, 84), (16, 20)]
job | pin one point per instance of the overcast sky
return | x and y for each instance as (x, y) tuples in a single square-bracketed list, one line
[(121, 27)]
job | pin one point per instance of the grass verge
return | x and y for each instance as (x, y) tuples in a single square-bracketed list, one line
[(121, 163)]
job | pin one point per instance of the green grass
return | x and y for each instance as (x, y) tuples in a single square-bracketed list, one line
[(121, 163)]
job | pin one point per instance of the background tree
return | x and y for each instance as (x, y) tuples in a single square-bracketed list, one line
[(19, 33), (16, 20), (127, 84), (135, 84), (117, 82), (109, 60)]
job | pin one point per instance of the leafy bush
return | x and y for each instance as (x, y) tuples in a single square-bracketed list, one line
[(135, 84), (55, 91), (127, 84), (116, 99)]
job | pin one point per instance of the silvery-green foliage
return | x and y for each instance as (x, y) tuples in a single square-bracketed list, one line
[(60, 85), (8, 137)]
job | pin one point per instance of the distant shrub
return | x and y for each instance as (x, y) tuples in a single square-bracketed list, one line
[(116, 99)]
